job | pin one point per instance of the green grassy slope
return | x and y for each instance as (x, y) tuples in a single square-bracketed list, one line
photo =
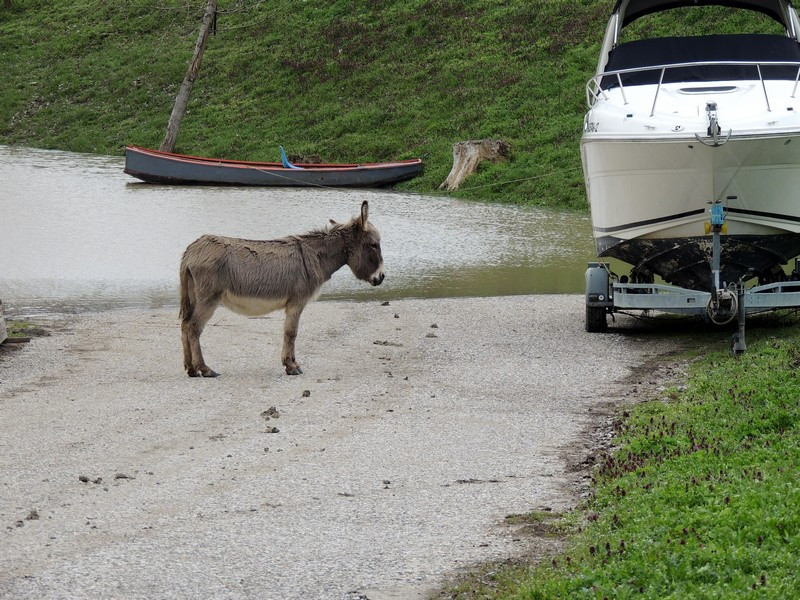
[(347, 81)]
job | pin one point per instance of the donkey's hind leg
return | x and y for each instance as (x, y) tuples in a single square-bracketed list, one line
[(191, 329), (187, 348), (290, 325)]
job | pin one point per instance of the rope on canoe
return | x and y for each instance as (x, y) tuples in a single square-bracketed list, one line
[(302, 183), (542, 175)]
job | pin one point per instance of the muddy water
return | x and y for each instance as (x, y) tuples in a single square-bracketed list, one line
[(77, 234)]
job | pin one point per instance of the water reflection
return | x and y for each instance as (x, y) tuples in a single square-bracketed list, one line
[(78, 234)]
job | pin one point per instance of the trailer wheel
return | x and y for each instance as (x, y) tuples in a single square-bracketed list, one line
[(596, 319)]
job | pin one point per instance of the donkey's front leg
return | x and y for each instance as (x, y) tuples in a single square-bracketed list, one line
[(293, 312)]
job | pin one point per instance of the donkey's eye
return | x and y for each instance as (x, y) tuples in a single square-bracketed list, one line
[(374, 246)]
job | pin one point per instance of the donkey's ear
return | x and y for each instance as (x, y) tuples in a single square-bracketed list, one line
[(364, 213)]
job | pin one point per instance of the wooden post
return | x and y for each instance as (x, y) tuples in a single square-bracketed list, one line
[(3, 331), (182, 100)]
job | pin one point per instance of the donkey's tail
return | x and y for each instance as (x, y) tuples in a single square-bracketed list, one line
[(187, 293)]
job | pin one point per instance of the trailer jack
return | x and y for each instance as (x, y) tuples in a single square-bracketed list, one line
[(738, 344)]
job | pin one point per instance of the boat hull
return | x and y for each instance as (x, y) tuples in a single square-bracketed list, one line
[(650, 198), (153, 166)]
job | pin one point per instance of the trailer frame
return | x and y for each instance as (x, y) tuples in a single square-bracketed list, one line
[(606, 295)]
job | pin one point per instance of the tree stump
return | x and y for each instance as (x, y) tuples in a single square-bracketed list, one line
[(467, 156)]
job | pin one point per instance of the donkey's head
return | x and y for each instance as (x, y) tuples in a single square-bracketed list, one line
[(364, 257)]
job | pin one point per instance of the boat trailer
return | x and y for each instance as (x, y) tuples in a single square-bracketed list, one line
[(607, 294)]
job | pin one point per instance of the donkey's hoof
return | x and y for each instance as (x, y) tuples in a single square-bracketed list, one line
[(294, 371), (210, 373)]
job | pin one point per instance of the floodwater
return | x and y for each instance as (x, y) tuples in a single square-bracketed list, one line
[(77, 234)]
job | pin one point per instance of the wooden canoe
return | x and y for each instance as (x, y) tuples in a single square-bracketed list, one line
[(154, 166)]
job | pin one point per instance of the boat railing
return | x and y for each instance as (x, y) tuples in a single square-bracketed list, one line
[(595, 89)]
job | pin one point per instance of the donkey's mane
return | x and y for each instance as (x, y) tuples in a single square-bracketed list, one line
[(313, 234), (333, 229)]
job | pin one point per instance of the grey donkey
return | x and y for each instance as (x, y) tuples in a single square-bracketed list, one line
[(255, 277)]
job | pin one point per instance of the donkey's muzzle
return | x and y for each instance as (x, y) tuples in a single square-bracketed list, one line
[(378, 279)]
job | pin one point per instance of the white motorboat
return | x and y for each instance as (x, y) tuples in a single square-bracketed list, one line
[(677, 126)]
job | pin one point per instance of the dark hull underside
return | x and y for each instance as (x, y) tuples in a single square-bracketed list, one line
[(686, 262)]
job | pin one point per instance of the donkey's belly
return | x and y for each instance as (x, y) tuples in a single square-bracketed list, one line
[(252, 307)]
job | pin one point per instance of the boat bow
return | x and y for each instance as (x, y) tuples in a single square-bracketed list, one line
[(677, 124)]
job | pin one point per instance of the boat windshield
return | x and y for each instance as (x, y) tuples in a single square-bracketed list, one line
[(700, 40), (716, 52), (700, 20)]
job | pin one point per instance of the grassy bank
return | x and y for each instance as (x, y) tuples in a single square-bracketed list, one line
[(24, 329), (342, 81), (701, 499)]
